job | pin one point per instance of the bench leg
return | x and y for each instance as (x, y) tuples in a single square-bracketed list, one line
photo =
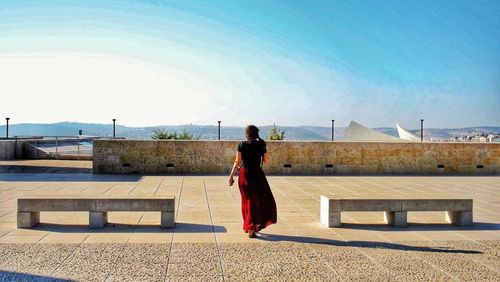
[(27, 219), (327, 216), (167, 219), (397, 219), (332, 219), (459, 218), (98, 219)]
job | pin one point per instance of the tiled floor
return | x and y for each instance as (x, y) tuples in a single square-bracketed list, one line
[(208, 242), (208, 210)]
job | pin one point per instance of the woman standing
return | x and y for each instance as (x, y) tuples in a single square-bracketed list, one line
[(257, 202)]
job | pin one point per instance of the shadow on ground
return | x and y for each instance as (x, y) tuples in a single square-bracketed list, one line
[(18, 276), (360, 244), (130, 228), (68, 177), (422, 227), (42, 169)]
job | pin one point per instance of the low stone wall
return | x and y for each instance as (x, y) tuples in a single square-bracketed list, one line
[(299, 157), (7, 149)]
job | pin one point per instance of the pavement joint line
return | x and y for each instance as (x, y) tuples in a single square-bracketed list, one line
[(87, 186), (159, 185), (341, 186), (135, 186), (478, 262), (431, 264), (213, 228), (173, 231), (381, 266), (116, 259), (111, 187), (70, 254), (316, 185), (336, 273)]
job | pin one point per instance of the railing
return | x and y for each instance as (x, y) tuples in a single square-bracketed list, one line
[(56, 147)]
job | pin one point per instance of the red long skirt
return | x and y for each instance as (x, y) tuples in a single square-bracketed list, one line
[(257, 202)]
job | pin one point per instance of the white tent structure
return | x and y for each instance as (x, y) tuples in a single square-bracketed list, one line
[(405, 134), (358, 132)]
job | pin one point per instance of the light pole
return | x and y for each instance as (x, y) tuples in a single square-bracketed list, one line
[(219, 130), (7, 127), (114, 128), (333, 129), (422, 130)]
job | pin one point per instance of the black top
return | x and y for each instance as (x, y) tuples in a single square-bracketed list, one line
[(252, 152)]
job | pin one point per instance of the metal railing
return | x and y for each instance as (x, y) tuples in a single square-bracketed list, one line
[(56, 147)]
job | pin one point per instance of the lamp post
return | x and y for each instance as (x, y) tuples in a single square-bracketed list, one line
[(7, 127), (219, 129), (114, 128), (422, 130), (333, 129)]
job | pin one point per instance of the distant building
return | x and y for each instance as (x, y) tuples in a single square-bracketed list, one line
[(490, 138), (405, 134), (358, 132)]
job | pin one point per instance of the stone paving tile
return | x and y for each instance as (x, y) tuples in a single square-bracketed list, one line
[(90, 262), (193, 278), (193, 252), (35, 258), (485, 253), (405, 265), (190, 268), (457, 261), (347, 261), (141, 262), (352, 265)]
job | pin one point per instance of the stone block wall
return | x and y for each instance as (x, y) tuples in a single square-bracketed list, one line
[(299, 157), (7, 149)]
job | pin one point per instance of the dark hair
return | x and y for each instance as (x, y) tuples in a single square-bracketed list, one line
[(252, 133)]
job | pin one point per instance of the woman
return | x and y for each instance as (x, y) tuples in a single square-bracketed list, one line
[(257, 201)]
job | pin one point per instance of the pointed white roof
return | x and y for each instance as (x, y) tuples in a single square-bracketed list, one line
[(405, 134), (358, 132)]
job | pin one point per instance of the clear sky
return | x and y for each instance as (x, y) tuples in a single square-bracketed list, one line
[(262, 62)]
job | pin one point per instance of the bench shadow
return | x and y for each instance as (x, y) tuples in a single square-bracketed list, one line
[(6, 275), (360, 244), (111, 227), (421, 227)]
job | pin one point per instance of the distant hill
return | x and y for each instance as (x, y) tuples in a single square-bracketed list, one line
[(210, 131)]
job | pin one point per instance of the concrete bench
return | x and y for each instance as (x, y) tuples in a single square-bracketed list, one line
[(28, 209), (458, 211)]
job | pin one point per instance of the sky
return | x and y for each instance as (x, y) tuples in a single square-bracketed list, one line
[(288, 63)]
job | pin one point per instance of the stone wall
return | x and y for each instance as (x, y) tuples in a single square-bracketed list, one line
[(299, 157), (7, 149)]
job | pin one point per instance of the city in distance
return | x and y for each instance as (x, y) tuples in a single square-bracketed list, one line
[(227, 132)]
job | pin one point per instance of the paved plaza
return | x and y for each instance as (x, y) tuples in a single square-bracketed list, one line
[(208, 242)]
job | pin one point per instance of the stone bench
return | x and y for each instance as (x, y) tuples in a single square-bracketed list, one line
[(28, 209), (458, 211)]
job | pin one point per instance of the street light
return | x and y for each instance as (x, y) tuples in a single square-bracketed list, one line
[(114, 129), (333, 129), (7, 128), (219, 129), (422, 130)]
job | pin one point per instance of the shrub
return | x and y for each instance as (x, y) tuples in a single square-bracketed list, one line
[(276, 134), (162, 134)]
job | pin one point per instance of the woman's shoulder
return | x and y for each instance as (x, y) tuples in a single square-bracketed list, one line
[(241, 145)]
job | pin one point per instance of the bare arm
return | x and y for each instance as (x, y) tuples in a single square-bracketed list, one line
[(265, 158), (236, 166)]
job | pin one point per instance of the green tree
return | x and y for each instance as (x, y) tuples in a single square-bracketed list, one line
[(162, 134), (276, 134)]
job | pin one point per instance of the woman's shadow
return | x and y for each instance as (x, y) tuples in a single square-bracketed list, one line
[(360, 244)]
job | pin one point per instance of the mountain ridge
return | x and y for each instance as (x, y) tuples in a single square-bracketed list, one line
[(304, 132)]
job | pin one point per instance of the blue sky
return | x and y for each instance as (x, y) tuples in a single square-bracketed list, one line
[(262, 62)]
